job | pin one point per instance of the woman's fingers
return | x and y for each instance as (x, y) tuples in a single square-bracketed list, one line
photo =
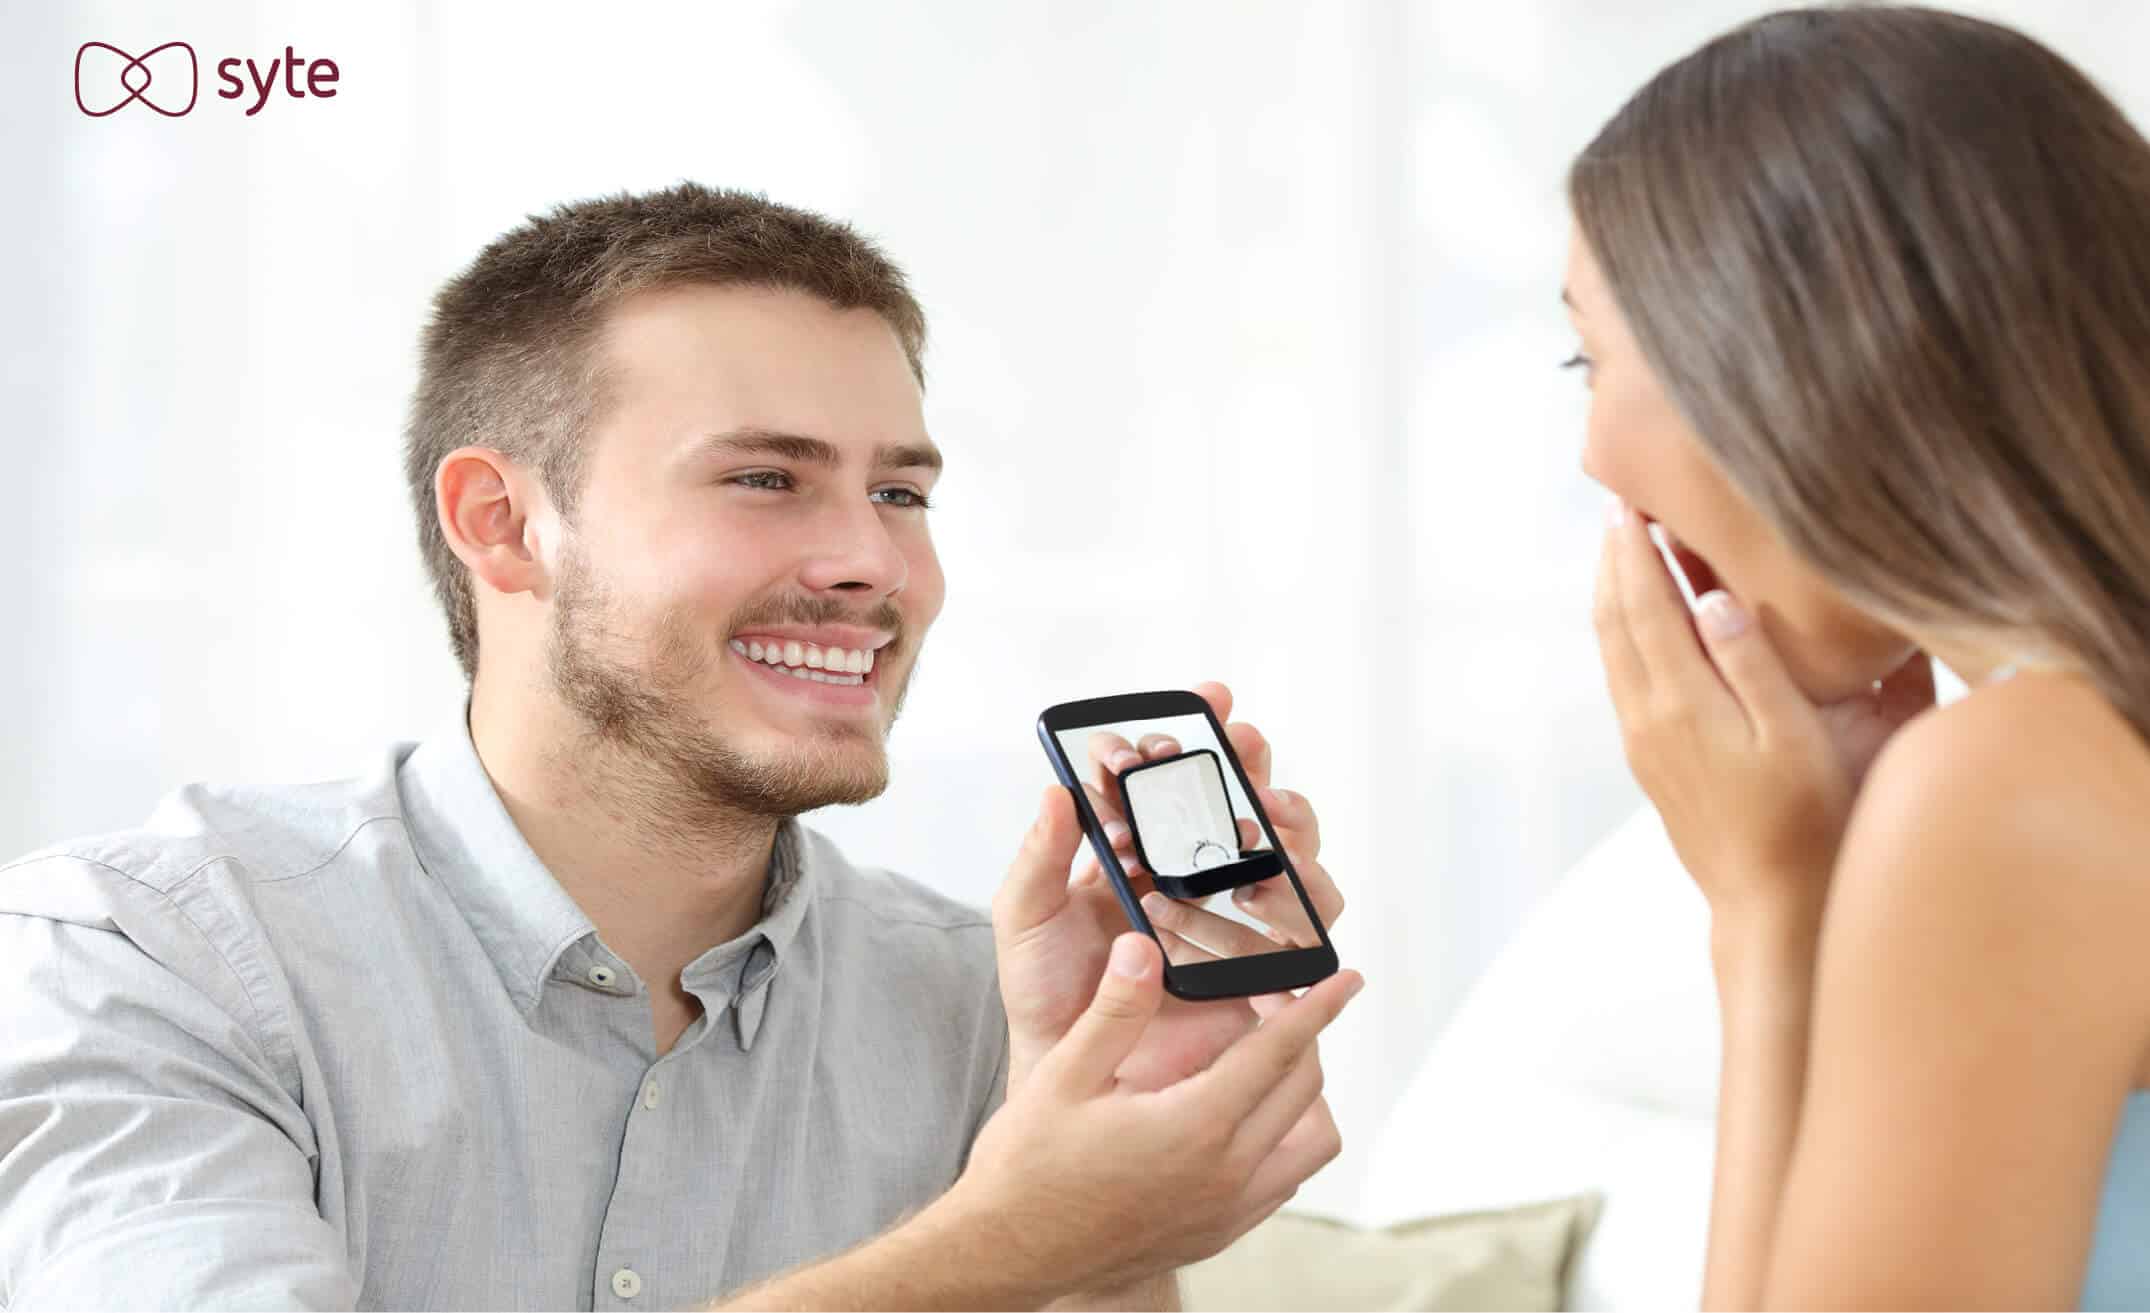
[(1626, 678), (1273, 903), (1109, 755), (1220, 935), (1181, 952), (1742, 654), (1651, 605)]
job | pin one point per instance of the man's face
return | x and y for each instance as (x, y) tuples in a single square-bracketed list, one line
[(755, 485)]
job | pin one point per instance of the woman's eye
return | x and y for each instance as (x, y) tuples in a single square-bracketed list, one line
[(908, 498), (767, 480), (1582, 362)]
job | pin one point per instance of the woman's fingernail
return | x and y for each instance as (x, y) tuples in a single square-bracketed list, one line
[(1125, 758), (1116, 833), (1243, 895), (1720, 616), (1156, 904)]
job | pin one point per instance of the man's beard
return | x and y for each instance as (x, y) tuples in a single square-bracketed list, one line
[(647, 713)]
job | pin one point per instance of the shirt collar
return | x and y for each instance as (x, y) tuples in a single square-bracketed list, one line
[(524, 919)]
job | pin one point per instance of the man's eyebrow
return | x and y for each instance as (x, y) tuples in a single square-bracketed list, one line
[(814, 451), (770, 442), (908, 456)]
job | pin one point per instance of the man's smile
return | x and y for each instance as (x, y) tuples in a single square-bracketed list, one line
[(832, 664)]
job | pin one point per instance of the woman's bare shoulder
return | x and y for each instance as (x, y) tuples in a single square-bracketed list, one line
[(2010, 830), (2041, 758)]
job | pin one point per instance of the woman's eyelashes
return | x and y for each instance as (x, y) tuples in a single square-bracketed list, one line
[(1582, 362)]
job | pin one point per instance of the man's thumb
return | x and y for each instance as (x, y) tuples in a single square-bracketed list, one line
[(1037, 884), (1127, 997)]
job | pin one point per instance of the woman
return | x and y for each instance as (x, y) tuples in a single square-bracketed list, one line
[(1864, 303)]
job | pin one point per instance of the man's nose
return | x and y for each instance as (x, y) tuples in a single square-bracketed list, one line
[(855, 553)]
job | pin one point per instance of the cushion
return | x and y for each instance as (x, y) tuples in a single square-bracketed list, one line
[(1585, 1059), (1514, 1258)]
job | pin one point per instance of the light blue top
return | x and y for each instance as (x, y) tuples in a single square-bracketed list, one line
[(2119, 1272)]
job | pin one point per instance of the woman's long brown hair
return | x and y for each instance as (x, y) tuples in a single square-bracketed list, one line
[(1893, 265)]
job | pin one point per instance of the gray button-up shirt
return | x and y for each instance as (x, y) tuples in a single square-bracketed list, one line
[(352, 1044)]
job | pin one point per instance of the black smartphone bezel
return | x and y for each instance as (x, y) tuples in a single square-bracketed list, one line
[(1239, 977)]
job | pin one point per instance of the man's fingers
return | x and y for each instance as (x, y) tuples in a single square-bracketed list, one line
[(1252, 749), (1101, 1038), (1298, 828), (1218, 697), (1310, 1145), (1280, 1110), (1036, 886), (1244, 1074)]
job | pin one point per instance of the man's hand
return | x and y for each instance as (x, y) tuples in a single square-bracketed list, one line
[(1088, 1180), (1052, 935)]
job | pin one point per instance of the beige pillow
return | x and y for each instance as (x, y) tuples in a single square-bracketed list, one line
[(1516, 1258)]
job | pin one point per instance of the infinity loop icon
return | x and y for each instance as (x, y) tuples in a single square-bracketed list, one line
[(134, 78)]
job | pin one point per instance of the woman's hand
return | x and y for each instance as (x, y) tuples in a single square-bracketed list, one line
[(1753, 782)]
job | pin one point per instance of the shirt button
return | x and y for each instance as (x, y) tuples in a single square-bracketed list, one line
[(601, 976), (626, 1283), (649, 1095)]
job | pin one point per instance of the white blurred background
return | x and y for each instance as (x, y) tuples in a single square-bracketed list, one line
[(1244, 321)]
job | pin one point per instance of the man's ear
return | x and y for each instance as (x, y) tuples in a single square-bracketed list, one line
[(491, 508)]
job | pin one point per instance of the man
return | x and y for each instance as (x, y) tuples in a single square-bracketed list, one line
[(562, 1008)]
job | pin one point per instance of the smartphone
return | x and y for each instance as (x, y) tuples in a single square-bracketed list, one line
[(1242, 921)]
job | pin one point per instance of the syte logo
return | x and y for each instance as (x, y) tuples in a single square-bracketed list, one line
[(168, 79)]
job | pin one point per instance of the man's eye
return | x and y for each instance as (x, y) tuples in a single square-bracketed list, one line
[(767, 480), (908, 498)]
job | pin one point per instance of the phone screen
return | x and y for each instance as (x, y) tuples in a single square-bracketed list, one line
[(1201, 857)]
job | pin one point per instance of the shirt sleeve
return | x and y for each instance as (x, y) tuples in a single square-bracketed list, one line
[(149, 1155)]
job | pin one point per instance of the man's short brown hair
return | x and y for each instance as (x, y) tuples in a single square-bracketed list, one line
[(509, 360)]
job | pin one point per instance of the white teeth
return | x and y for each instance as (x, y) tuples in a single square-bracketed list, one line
[(802, 660)]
